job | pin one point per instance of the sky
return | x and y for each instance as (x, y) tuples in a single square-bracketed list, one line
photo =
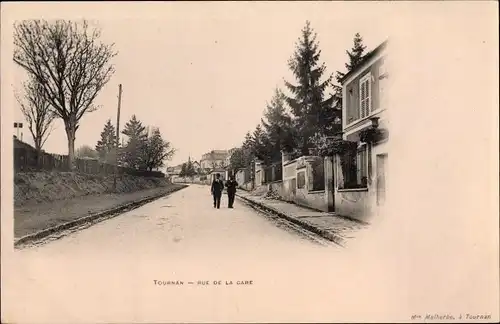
[(203, 72)]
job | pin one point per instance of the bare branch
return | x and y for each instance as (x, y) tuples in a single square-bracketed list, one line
[(36, 110), (70, 63)]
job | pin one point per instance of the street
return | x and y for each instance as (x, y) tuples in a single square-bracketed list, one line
[(185, 224), (140, 265)]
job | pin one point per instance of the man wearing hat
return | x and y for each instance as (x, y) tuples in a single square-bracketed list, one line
[(217, 188)]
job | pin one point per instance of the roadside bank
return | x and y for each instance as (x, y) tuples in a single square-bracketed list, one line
[(42, 211)]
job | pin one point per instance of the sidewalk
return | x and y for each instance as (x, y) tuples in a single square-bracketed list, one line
[(30, 219), (328, 225)]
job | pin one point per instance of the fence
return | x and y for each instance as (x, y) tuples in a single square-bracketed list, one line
[(273, 173), (353, 170), (25, 159)]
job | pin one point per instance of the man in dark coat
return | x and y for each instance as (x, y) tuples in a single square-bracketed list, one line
[(231, 185), (217, 188)]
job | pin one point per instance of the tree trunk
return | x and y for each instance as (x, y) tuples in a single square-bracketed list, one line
[(38, 148), (70, 133)]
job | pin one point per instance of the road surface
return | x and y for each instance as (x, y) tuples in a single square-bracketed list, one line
[(186, 224), (127, 268)]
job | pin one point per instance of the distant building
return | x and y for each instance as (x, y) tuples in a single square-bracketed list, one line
[(214, 159), (196, 166), (174, 172)]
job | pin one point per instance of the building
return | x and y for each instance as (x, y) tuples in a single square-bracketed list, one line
[(360, 183), (351, 183), (214, 159), (174, 173), (196, 166)]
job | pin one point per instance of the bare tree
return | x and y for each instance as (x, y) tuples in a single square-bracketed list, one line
[(70, 63), (37, 112)]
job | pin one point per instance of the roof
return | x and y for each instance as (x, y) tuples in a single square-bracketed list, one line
[(20, 144), (365, 59), (214, 155)]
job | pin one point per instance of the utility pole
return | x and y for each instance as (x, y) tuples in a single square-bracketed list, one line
[(117, 133)]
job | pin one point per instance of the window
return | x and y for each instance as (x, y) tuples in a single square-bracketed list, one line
[(365, 90), (354, 169)]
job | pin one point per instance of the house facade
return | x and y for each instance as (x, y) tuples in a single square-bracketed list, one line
[(196, 166), (361, 176), (174, 172), (353, 183), (214, 159)]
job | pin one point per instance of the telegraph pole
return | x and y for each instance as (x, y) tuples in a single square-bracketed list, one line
[(117, 133)]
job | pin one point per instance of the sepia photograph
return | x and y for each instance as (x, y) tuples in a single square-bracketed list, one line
[(230, 162)]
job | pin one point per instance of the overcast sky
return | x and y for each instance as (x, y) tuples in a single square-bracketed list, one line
[(202, 72)]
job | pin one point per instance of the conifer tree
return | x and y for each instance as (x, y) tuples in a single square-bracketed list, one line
[(277, 124), (247, 149), (355, 57), (137, 138), (237, 160), (260, 147), (106, 145), (312, 109)]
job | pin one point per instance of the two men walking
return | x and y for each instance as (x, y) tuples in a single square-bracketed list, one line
[(218, 187)]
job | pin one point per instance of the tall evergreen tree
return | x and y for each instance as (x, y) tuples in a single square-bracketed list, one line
[(355, 56), (277, 125), (260, 148), (248, 149), (324, 144), (313, 111), (134, 128), (237, 160), (356, 53), (106, 145), (137, 138)]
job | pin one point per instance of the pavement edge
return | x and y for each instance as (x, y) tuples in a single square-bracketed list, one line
[(323, 233), (91, 218)]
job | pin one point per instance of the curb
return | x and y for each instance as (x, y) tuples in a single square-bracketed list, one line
[(323, 233), (88, 219)]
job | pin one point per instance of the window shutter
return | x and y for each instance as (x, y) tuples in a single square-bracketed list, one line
[(369, 96), (362, 100)]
